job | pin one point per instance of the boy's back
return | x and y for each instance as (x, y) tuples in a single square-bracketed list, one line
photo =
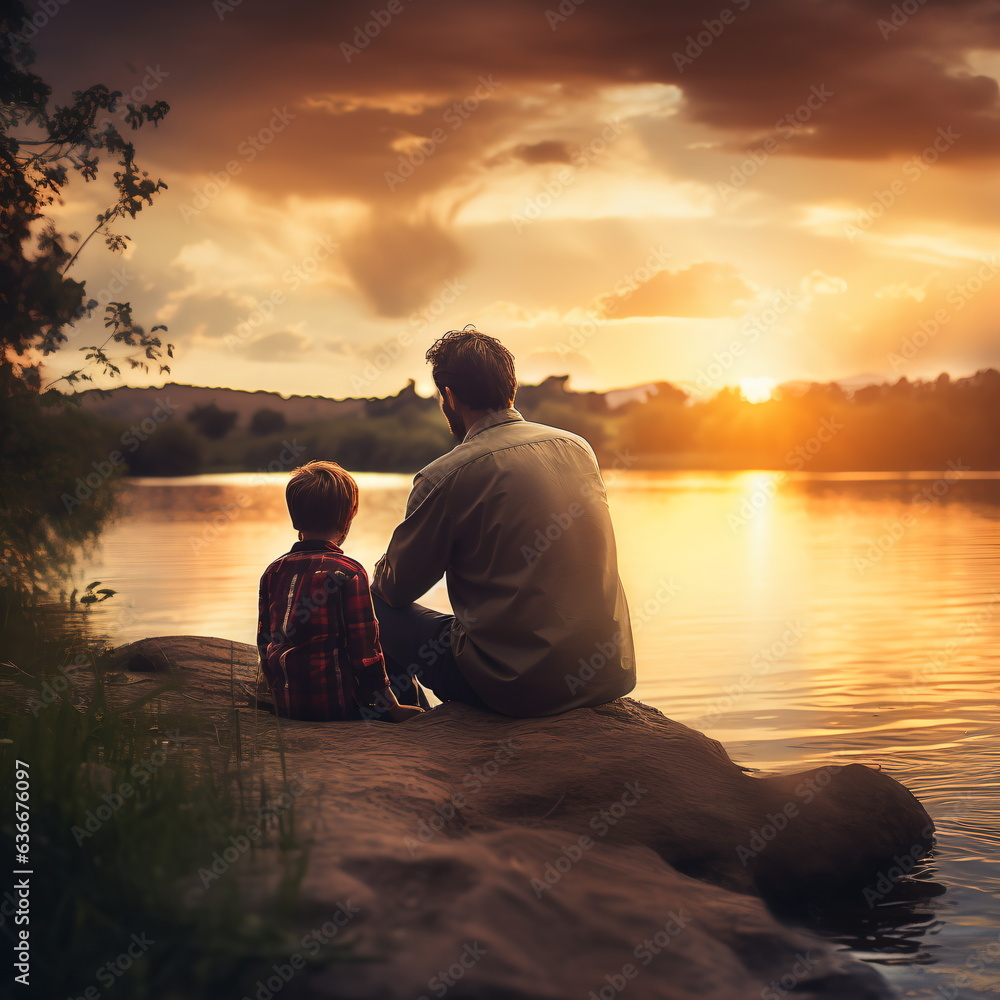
[(317, 635), (316, 629)]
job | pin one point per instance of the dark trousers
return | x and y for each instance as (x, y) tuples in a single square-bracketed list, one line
[(416, 642)]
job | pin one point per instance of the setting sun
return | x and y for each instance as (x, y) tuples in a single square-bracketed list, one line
[(757, 390)]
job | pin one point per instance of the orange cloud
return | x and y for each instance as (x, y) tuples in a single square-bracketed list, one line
[(704, 290)]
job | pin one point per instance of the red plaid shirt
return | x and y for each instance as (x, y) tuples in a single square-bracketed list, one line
[(317, 634)]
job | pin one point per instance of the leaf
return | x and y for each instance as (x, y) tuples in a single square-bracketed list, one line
[(90, 586)]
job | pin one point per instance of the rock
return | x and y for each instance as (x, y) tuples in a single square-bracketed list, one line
[(601, 851)]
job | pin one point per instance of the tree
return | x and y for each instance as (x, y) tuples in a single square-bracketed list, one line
[(41, 149), (267, 421), (174, 450), (213, 422)]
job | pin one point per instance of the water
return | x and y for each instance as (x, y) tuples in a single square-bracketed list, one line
[(797, 619)]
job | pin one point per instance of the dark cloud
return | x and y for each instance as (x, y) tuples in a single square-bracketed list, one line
[(400, 265), (894, 84), (550, 151), (320, 100), (703, 290)]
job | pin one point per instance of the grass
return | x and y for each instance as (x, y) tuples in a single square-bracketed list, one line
[(144, 836)]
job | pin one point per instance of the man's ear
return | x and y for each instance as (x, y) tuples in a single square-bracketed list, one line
[(448, 396)]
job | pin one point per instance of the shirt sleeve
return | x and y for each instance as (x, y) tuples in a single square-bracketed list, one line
[(363, 647), (419, 549), (263, 619)]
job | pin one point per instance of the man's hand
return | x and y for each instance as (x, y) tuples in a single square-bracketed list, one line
[(401, 713)]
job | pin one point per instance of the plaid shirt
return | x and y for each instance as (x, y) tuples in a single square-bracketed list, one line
[(317, 634)]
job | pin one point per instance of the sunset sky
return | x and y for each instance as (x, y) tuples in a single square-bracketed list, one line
[(619, 191)]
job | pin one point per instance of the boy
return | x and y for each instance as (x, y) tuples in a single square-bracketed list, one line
[(317, 634)]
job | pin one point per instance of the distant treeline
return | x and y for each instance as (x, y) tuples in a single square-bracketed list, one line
[(938, 424)]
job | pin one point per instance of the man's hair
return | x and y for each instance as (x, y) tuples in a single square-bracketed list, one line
[(477, 368), (321, 497)]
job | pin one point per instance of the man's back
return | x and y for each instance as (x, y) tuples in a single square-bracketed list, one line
[(517, 518)]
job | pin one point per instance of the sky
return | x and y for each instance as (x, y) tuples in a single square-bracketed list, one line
[(623, 192)]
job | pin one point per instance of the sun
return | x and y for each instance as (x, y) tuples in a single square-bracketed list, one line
[(756, 390)]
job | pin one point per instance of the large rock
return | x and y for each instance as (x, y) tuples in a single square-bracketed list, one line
[(604, 850)]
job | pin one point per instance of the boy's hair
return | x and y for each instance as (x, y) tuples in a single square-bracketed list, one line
[(321, 497), (477, 368)]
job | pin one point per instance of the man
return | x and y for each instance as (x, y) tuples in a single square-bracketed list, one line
[(516, 518)]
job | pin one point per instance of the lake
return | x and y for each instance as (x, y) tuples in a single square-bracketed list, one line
[(799, 619)]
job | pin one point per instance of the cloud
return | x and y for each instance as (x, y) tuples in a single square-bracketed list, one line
[(704, 290), (892, 88), (694, 98), (277, 347), (399, 265), (819, 283), (535, 366), (550, 151)]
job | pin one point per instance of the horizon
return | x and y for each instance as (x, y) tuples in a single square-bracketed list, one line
[(750, 389)]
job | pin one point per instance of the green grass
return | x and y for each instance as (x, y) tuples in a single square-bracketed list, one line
[(129, 809)]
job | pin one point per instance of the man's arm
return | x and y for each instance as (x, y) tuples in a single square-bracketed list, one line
[(420, 547)]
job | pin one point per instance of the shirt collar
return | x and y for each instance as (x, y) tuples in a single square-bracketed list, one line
[(492, 420), (317, 543)]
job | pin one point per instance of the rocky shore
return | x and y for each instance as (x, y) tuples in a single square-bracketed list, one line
[(598, 853)]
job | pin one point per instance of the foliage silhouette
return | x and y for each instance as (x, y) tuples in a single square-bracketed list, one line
[(46, 454), (213, 422), (267, 421)]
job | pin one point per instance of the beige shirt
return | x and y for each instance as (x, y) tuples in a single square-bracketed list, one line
[(516, 518)]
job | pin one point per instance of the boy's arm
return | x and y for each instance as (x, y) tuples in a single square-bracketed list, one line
[(263, 620), (419, 549), (365, 651)]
